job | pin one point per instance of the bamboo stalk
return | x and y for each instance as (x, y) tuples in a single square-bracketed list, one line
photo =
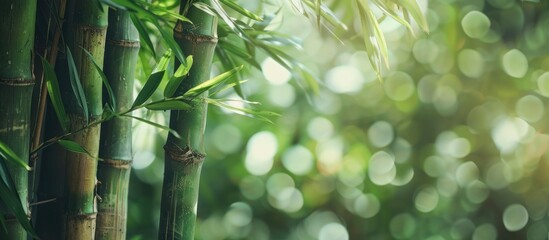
[(184, 156), (115, 152), (86, 29), (17, 19)]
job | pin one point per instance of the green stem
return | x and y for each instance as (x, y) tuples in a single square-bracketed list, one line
[(116, 135), (17, 19), (86, 29), (184, 156)]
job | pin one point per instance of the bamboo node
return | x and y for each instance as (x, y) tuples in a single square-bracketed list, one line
[(124, 43), (16, 82), (184, 155), (82, 216), (193, 37), (116, 163)]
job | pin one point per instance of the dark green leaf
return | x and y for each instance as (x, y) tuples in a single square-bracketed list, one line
[(168, 39), (177, 78), (143, 34), (169, 105), (150, 86), (241, 10), (77, 85), (173, 132), (74, 147), (55, 94), (10, 200), (163, 62), (9, 155), (112, 100), (205, 86)]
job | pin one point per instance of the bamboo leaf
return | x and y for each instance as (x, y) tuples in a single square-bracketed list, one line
[(327, 14), (228, 63), (143, 34), (262, 115), (154, 80), (390, 12), (229, 86), (173, 132), (150, 86), (169, 105), (412, 7), (177, 78), (77, 85), (241, 10), (55, 94), (205, 86), (74, 147), (217, 8), (9, 155), (380, 38), (163, 62), (318, 3), (168, 39), (112, 100), (10, 200)]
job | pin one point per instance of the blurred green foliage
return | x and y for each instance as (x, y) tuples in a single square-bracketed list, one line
[(451, 144)]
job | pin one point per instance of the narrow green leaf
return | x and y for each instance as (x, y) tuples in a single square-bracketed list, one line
[(73, 147), (55, 94), (77, 85), (10, 200), (143, 33), (9, 155), (169, 105), (168, 39), (150, 86), (262, 115), (178, 76), (236, 50), (173, 132), (318, 3), (162, 11), (228, 86), (390, 12), (163, 62), (241, 10), (228, 63), (217, 8), (112, 100), (379, 36), (412, 7), (205, 86), (327, 14)]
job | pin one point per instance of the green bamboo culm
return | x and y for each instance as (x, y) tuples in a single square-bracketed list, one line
[(184, 156), (86, 29), (115, 152), (17, 19)]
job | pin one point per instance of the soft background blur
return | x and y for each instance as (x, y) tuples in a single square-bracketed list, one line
[(452, 144)]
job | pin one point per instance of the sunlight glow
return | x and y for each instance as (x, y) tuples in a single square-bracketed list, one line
[(275, 73), (344, 79), (260, 152)]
